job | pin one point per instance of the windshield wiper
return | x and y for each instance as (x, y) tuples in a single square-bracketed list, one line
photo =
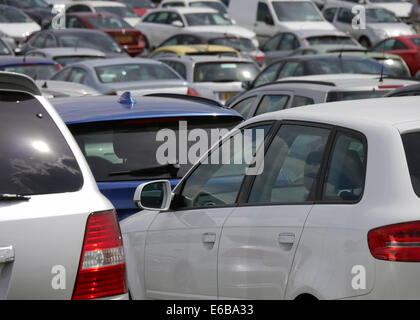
[(171, 168), (13, 197)]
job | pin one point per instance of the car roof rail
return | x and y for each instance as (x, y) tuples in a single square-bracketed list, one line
[(19, 82), (187, 97)]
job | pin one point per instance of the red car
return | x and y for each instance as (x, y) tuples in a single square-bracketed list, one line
[(407, 47), (139, 6), (130, 39)]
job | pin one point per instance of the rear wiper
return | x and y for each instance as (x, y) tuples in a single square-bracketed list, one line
[(13, 197), (170, 168)]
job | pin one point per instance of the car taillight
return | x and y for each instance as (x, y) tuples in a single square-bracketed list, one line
[(260, 58), (112, 94), (102, 270), (397, 242), (59, 66), (192, 92)]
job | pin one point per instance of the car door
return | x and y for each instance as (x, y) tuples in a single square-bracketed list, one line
[(182, 244), (343, 22), (264, 23), (260, 237)]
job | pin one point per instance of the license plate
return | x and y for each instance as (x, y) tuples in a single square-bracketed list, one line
[(226, 95), (124, 38)]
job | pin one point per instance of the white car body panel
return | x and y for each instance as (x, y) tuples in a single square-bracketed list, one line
[(19, 31)]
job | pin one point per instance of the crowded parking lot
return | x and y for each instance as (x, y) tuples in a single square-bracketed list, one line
[(208, 149)]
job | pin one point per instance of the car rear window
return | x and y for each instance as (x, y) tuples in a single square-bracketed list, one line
[(411, 143), (128, 150), (35, 71), (225, 72), (34, 156), (354, 95), (330, 40)]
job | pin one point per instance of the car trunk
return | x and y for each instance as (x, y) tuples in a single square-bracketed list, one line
[(148, 87)]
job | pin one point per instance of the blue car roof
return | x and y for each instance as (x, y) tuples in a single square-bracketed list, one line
[(107, 108)]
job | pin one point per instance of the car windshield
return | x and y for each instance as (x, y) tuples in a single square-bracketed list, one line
[(206, 19), (35, 71), (411, 143), (129, 150), (11, 15), (296, 11), (380, 16), (135, 72), (330, 40), (65, 60), (354, 95), (119, 11), (214, 5), (99, 41), (4, 50), (225, 72), (139, 4), (30, 4), (328, 66), (36, 160), (109, 23), (240, 44)]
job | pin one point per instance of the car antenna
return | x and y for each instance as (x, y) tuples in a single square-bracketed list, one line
[(45, 85), (381, 78)]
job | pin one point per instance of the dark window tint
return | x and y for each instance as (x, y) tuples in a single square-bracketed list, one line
[(411, 143), (273, 43), (416, 41), (129, 150), (289, 42), (150, 18), (269, 74), (225, 71), (263, 12), (353, 95), (301, 101), (346, 169), (329, 14), (97, 40), (271, 103), (34, 156), (35, 71), (345, 16), (291, 166), (244, 106)]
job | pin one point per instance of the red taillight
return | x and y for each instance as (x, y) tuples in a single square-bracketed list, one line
[(102, 269), (398, 242), (59, 66), (112, 94), (260, 58), (390, 86), (192, 92)]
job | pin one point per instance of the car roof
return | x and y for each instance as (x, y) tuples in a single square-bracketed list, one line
[(13, 60), (326, 47), (107, 108), (202, 48), (207, 58), (350, 5), (68, 51), (59, 32), (115, 61), (306, 33), (333, 56), (93, 14), (367, 113), (185, 10), (207, 35), (100, 3)]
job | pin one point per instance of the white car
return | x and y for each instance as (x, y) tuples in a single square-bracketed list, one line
[(333, 214), (59, 236), (401, 8), (159, 24), (16, 24), (214, 4), (380, 22), (117, 8), (268, 17)]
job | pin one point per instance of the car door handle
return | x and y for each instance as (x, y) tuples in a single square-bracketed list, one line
[(286, 238), (209, 237), (7, 254)]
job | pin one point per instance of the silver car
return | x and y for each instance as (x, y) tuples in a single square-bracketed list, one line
[(55, 225), (214, 77), (65, 56), (60, 89), (115, 76), (380, 22)]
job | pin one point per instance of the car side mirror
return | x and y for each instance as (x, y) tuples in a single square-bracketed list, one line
[(268, 19), (154, 196), (177, 24)]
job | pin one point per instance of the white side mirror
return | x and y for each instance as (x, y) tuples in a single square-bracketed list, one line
[(155, 195), (177, 24)]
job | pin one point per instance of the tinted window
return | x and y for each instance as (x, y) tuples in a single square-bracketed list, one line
[(353, 95), (289, 42), (346, 170), (329, 14), (301, 101), (225, 72), (330, 40), (65, 60), (244, 106), (36, 160), (4, 50), (150, 18), (109, 23), (97, 40), (296, 11), (262, 12), (272, 103), (291, 166), (411, 143), (269, 74), (123, 12), (77, 75), (218, 184), (128, 150), (11, 15), (35, 71), (291, 69), (206, 19), (345, 16), (273, 43), (385, 45)]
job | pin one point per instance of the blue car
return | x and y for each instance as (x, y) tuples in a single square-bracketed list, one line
[(122, 138)]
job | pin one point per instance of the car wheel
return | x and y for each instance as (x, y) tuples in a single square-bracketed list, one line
[(365, 42)]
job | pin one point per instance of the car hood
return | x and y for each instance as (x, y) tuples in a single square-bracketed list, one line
[(392, 29), (401, 9), (230, 29), (307, 25), (19, 30)]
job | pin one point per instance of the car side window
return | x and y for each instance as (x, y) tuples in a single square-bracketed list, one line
[(150, 18), (217, 180), (329, 14), (173, 16), (346, 169), (398, 45), (78, 8), (39, 40), (263, 12), (345, 16), (77, 75), (271, 103), (290, 69), (272, 44), (301, 101), (173, 4), (289, 42), (178, 67), (62, 75), (244, 106), (50, 41), (73, 22), (269, 74), (291, 166), (187, 39), (162, 17), (385, 45)]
